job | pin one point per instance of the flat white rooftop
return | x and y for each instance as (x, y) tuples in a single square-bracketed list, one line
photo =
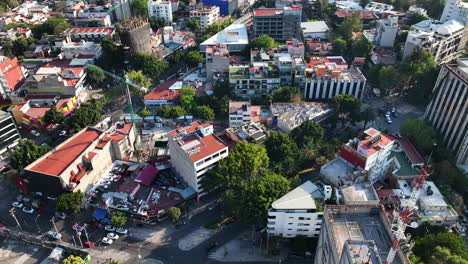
[(302, 197), (233, 34)]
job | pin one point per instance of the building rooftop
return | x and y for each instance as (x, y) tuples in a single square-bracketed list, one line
[(371, 145), (302, 197), (315, 26), (233, 34), (366, 14), (295, 114), (197, 140), (59, 158), (362, 251), (168, 90), (405, 169), (106, 30), (360, 224), (12, 72), (360, 194)]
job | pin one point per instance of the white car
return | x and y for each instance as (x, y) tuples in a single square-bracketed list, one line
[(62, 133), (389, 121), (17, 205), (35, 133), (113, 236), (28, 210), (53, 234), (19, 198), (122, 231), (109, 228), (107, 240)]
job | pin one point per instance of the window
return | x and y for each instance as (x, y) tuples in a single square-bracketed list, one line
[(199, 163), (207, 159), (223, 152), (289, 223)]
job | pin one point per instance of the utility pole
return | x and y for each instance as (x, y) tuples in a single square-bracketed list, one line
[(38, 228), (55, 227), (86, 233), (79, 237), (12, 213)]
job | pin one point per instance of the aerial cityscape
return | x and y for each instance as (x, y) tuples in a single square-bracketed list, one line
[(234, 131)]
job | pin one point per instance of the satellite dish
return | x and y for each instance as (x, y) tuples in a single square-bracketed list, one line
[(414, 225)]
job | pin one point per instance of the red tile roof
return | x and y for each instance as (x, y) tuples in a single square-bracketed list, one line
[(268, 12), (384, 141), (410, 151), (56, 161), (105, 30), (13, 74), (162, 91)]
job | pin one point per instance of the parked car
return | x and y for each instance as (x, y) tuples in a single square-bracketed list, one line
[(17, 205), (51, 198), (212, 246), (107, 240), (35, 133), (109, 228), (26, 199), (389, 121), (88, 244), (28, 210), (54, 235), (4, 169), (62, 133), (122, 231), (113, 236), (60, 215), (395, 114), (387, 114), (19, 198)]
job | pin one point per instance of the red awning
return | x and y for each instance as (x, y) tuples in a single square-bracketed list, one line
[(147, 175)]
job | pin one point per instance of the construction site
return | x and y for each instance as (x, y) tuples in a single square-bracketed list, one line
[(136, 34)]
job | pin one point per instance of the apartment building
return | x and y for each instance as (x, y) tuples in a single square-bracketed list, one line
[(455, 9), (326, 77), (217, 61), (241, 112), (160, 9), (297, 213), (226, 7), (234, 37), (77, 163), (9, 134), (280, 24), (83, 49), (352, 234), (295, 47), (448, 110), (12, 76), (255, 80), (386, 32), (446, 41), (195, 149), (92, 16), (207, 15), (95, 34)]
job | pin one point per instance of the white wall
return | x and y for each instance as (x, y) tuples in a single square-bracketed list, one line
[(290, 224)]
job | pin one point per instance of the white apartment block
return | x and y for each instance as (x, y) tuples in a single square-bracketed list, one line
[(386, 31), (207, 15), (195, 150), (239, 113), (455, 9), (330, 76), (296, 213), (160, 9), (9, 133), (448, 109), (446, 41)]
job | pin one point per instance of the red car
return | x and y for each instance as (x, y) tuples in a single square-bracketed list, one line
[(88, 244)]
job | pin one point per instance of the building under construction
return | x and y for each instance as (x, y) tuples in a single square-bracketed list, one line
[(136, 34), (353, 234)]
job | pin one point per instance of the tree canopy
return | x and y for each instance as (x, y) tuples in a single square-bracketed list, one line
[(174, 214), (204, 112), (440, 247), (194, 57), (286, 94), (347, 107), (368, 114), (308, 131), (187, 98), (149, 65), (340, 47), (137, 77), (140, 8), (94, 76), (84, 116), (73, 260), (118, 219), (262, 42), (193, 24), (388, 77), (25, 153), (421, 134), (361, 47), (352, 23), (52, 116), (70, 203), (284, 154)]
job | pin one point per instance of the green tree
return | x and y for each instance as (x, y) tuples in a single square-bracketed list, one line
[(388, 77), (53, 26), (174, 214), (284, 154), (69, 203), (352, 23), (368, 114), (176, 57), (177, 111), (223, 88), (262, 42), (193, 24), (164, 111), (73, 260), (286, 94), (425, 248), (340, 47), (373, 73), (25, 153), (361, 47), (83, 117), (187, 98), (149, 65), (257, 197), (416, 18), (118, 219), (140, 8), (94, 76), (204, 112), (308, 131), (21, 44), (346, 108), (421, 134), (143, 113), (112, 55), (434, 7), (52, 116), (137, 77), (157, 23), (444, 256), (193, 58)]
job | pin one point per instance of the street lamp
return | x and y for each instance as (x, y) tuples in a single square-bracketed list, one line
[(12, 213), (38, 228)]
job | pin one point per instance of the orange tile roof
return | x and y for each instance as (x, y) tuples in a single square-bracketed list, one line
[(55, 162), (12, 73), (162, 91), (384, 141)]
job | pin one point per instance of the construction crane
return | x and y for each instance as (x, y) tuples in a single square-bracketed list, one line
[(120, 4), (402, 219), (127, 82)]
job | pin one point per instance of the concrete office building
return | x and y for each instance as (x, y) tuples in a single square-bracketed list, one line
[(207, 15), (160, 9), (280, 24), (448, 109), (297, 213), (386, 32), (136, 34), (314, 30), (455, 9), (9, 134), (195, 149), (355, 234), (330, 76), (446, 41)]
